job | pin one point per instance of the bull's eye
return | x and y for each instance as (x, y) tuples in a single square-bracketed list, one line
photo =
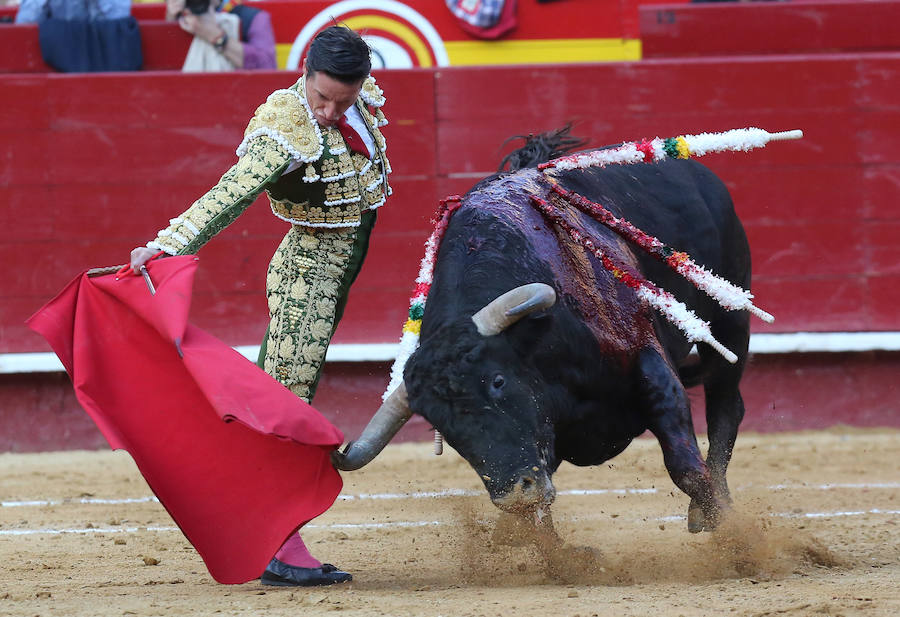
[(498, 381)]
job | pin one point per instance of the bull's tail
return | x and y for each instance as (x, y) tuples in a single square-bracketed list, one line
[(540, 148)]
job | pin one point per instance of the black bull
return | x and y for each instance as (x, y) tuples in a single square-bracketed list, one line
[(576, 379)]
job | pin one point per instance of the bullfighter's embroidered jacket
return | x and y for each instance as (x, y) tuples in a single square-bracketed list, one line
[(317, 184), (331, 187)]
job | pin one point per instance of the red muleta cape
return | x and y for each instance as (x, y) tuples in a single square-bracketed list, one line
[(237, 459)]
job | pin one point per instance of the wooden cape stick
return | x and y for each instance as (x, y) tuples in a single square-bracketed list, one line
[(93, 272)]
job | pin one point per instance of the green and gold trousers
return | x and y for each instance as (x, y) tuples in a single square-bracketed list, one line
[(307, 286)]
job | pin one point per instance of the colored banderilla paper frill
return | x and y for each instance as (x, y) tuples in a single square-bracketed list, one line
[(236, 459), (409, 339), (681, 147)]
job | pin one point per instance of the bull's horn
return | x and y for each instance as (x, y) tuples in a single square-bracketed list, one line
[(512, 306), (389, 419)]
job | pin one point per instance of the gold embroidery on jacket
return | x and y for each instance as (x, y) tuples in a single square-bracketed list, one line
[(283, 112), (345, 163), (329, 168), (334, 140), (333, 176), (305, 213)]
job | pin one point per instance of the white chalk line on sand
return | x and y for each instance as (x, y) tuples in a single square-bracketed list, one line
[(433, 495), (79, 501), (458, 492), (453, 492), (408, 524)]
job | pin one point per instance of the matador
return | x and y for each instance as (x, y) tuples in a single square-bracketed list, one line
[(317, 150)]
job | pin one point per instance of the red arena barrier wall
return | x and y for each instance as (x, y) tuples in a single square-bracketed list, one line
[(94, 164), (799, 26)]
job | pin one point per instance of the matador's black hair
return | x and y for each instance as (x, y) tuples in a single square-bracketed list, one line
[(341, 53)]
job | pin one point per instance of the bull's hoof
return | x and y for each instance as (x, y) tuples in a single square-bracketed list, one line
[(696, 519), (705, 519)]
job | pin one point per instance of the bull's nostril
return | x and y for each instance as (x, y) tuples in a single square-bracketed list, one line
[(527, 484)]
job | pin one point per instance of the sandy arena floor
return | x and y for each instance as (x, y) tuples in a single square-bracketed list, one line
[(818, 534)]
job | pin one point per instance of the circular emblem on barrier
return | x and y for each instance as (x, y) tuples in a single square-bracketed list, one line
[(399, 36)]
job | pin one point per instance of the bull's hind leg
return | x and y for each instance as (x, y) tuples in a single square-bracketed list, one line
[(668, 413), (724, 411)]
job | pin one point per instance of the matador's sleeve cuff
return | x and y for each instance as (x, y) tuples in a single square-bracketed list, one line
[(239, 187)]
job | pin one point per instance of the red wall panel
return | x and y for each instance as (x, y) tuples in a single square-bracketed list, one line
[(879, 182), (814, 304), (882, 242), (25, 102), (615, 102), (791, 194), (769, 28), (825, 249), (163, 45), (884, 292)]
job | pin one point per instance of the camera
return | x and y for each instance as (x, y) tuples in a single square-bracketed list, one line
[(197, 7)]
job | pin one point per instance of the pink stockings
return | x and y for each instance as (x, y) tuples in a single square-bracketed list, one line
[(294, 553)]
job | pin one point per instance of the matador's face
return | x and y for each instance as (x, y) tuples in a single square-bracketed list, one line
[(329, 98)]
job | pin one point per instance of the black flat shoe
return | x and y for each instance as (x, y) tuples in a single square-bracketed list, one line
[(282, 575)]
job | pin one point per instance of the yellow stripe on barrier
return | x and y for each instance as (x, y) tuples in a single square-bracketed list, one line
[(282, 51), (542, 51), (532, 51)]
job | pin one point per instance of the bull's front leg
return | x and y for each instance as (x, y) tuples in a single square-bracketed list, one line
[(668, 413)]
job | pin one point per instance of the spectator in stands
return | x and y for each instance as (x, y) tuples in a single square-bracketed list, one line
[(36, 11), (254, 49), (208, 53)]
